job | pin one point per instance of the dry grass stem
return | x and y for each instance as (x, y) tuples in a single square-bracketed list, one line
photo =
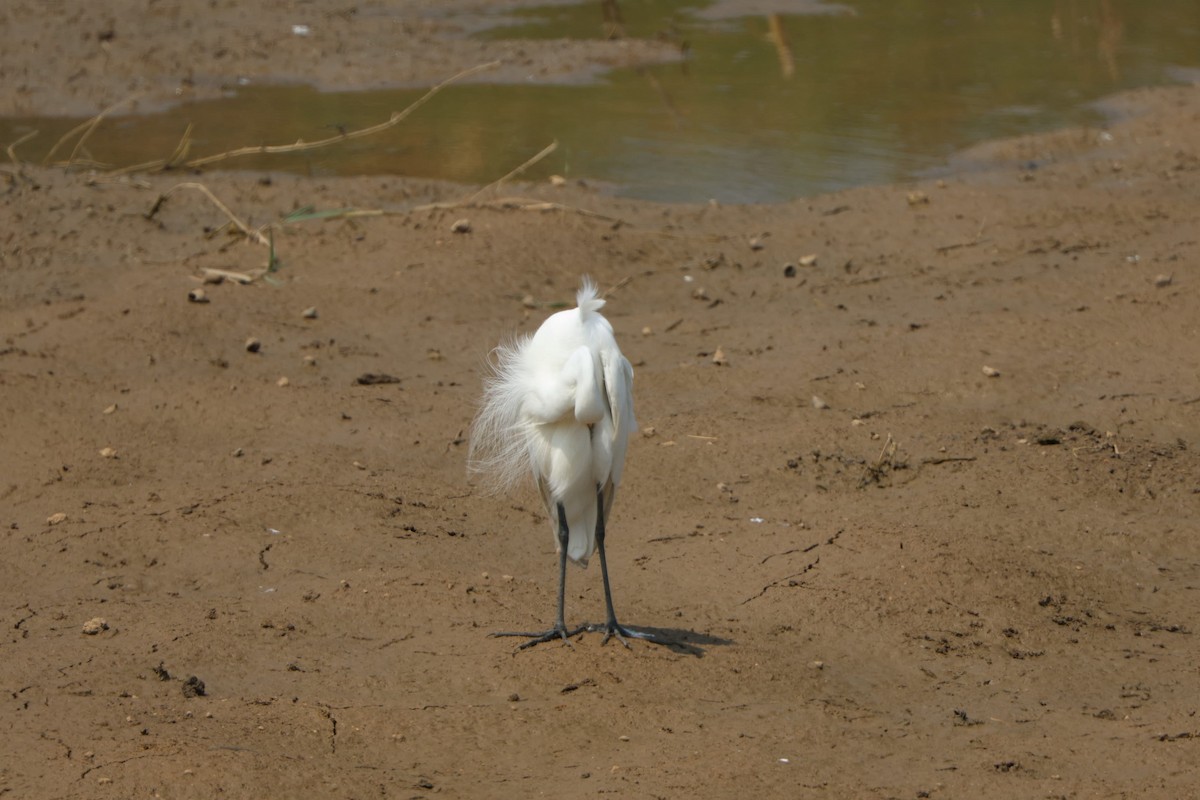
[(618, 286), (547, 150), (253, 235), (12, 148), (87, 129), (514, 204), (299, 147)]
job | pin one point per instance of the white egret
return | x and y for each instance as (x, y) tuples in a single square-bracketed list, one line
[(559, 404)]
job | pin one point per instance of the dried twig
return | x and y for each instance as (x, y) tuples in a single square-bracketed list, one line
[(298, 147), (516, 204), (617, 286), (253, 235), (12, 148), (87, 128), (547, 150)]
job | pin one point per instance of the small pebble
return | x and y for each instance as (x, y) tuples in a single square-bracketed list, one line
[(309, 313), (808, 260), (558, 180), (282, 381), (819, 404), (94, 626), (918, 198), (197, 296), (111, 409), (253, 345), (1162, 281), (756, 243), (991, 372), (719, 358), (310, 361), (108, 452), (461, 226), (54, 519), (789, 270)]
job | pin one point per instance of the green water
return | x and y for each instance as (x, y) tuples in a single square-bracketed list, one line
[(880, 92)]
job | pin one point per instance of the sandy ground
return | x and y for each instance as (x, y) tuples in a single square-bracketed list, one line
[(940, 583)]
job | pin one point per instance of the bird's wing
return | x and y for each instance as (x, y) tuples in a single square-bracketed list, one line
[(618, 388)]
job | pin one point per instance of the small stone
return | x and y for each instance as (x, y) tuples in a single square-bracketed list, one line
[(528, 301), (623, 738), (111, 409), (647, 330), (700, 293), (94, 626), (309, 360), (558, 180), (253, 345), (918, 198), (194, 687), (789, 270), (1163, 281), (808, 260), (282, 381), (756, 243), (991, 372), (433, 354), (56, 518), (461, 226), (108, 452), (719, 358), (819, 404), (309, 313), (514, 698), (197, 296)]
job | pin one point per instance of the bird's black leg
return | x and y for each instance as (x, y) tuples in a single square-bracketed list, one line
[(559, 631), (612, 628)]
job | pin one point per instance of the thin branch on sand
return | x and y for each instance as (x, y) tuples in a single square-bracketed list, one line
[(547, 150), (12, 148), (298, 147), (87, 129), (252, 235)]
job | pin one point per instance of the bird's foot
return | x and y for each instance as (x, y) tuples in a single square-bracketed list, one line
[(613, 628), (559, 631)]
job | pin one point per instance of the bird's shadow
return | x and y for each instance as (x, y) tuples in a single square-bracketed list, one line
[(683, 641)]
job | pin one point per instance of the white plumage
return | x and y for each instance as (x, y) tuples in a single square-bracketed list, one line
[(559, 404)]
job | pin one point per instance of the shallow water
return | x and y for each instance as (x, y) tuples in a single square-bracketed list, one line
[(760, 108)]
